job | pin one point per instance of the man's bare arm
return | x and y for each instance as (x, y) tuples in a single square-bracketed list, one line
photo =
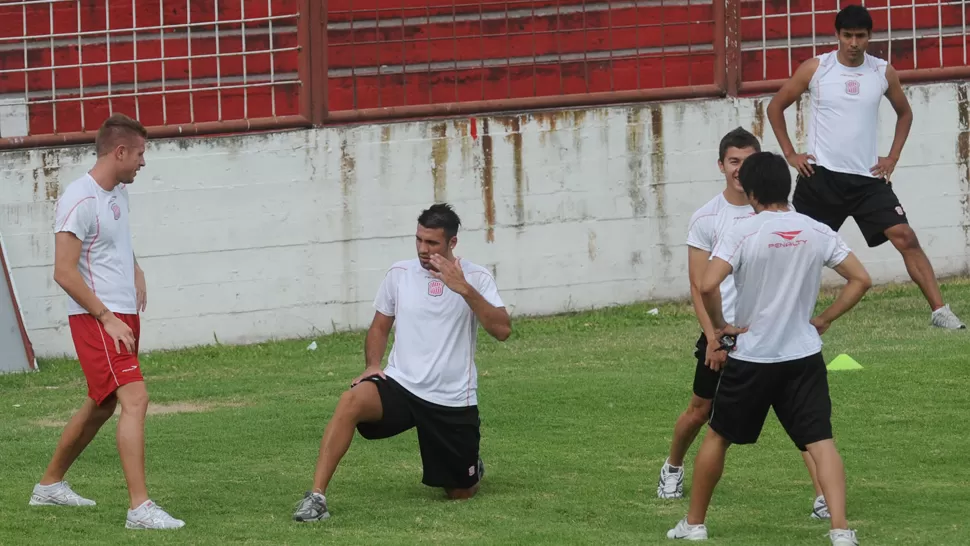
[(376, 343), (852, 270), (67, 253), (495, 320), (785, 97), (904, 113), (697, 261), (717, 270)]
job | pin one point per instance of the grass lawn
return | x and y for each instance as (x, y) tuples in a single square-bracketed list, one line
[(577, 415)]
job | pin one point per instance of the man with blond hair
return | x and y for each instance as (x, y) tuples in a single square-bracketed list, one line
[(95, 265)]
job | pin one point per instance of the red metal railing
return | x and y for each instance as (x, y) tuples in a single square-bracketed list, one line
[(188, 67), (392, 58), (923, 39), (180, 66)]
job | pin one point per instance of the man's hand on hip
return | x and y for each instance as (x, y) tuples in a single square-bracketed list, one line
[(884, 168), (801, 164)]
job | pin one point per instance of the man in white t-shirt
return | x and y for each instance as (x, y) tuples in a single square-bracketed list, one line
[(776, 259), (94, 263), (435, 304), (841, 173), (708, 225)]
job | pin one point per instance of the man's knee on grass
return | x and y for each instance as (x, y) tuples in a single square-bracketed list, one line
[(460, 494)]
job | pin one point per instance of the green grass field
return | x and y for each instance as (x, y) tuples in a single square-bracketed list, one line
[(577, 416)]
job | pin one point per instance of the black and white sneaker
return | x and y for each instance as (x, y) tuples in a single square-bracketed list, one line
[(671, 483)]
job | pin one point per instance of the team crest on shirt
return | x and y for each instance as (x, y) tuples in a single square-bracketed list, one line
[(852, 87), (436, 287), (116, 210)]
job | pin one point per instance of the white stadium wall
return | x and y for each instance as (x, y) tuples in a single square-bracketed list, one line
[(254, 237)]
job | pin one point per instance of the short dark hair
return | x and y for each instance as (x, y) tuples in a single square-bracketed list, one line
[(738, 138), (114, 130), (441, 215), (853, 17), (765, 178)]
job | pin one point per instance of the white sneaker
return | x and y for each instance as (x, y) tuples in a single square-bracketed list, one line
[(151, 516), (843, 537), (944, 318), (671, 484), (821, 509), (57, 494), (687, 531)]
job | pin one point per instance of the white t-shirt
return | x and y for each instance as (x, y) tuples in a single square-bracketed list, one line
[(777, 260), (435, 332), (843, 124), (707, 226), (99, 219)]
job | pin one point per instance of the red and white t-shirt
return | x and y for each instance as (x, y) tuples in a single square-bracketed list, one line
[(99, 219), (707, 226), (435, 332), (777, 260)]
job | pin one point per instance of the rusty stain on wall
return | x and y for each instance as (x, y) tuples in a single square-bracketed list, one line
[(516, 138), (963, 157), (591, 245), (634, 151), (348, 252), (463, 134), (348, 167), (488, 196), (758, 125), (385, 164), (799, 125), (51, 162), (439, 161), (658, 162)]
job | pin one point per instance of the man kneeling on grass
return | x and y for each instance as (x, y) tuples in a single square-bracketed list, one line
[(435, 303)]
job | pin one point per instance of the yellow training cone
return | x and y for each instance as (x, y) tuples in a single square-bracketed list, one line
[(844, 362)]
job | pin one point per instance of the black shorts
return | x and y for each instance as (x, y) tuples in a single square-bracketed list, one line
[(798, 391), (830, 197), (705, 379), (448, 437)]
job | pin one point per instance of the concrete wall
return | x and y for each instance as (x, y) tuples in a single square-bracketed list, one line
[(246, 238)]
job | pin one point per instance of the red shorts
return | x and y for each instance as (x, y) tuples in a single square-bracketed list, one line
[(105, 368)]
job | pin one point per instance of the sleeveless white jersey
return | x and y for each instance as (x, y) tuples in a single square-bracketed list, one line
[(842, 125)]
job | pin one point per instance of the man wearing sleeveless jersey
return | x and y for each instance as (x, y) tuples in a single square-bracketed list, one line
[(435, 304), (707, 226), (841, 173), (776, 258), (95, 265)]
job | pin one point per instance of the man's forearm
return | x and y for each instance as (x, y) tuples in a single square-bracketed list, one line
[(702, 317), (776, 117), (78, 290), (712, 302), (374, 347), (903, 124), (848, 297), (495, 320)]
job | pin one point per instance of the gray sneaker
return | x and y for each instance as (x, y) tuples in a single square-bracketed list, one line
[(944, 318), (313, 507)]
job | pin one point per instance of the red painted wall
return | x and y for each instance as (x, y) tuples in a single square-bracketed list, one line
[(427, 51)]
